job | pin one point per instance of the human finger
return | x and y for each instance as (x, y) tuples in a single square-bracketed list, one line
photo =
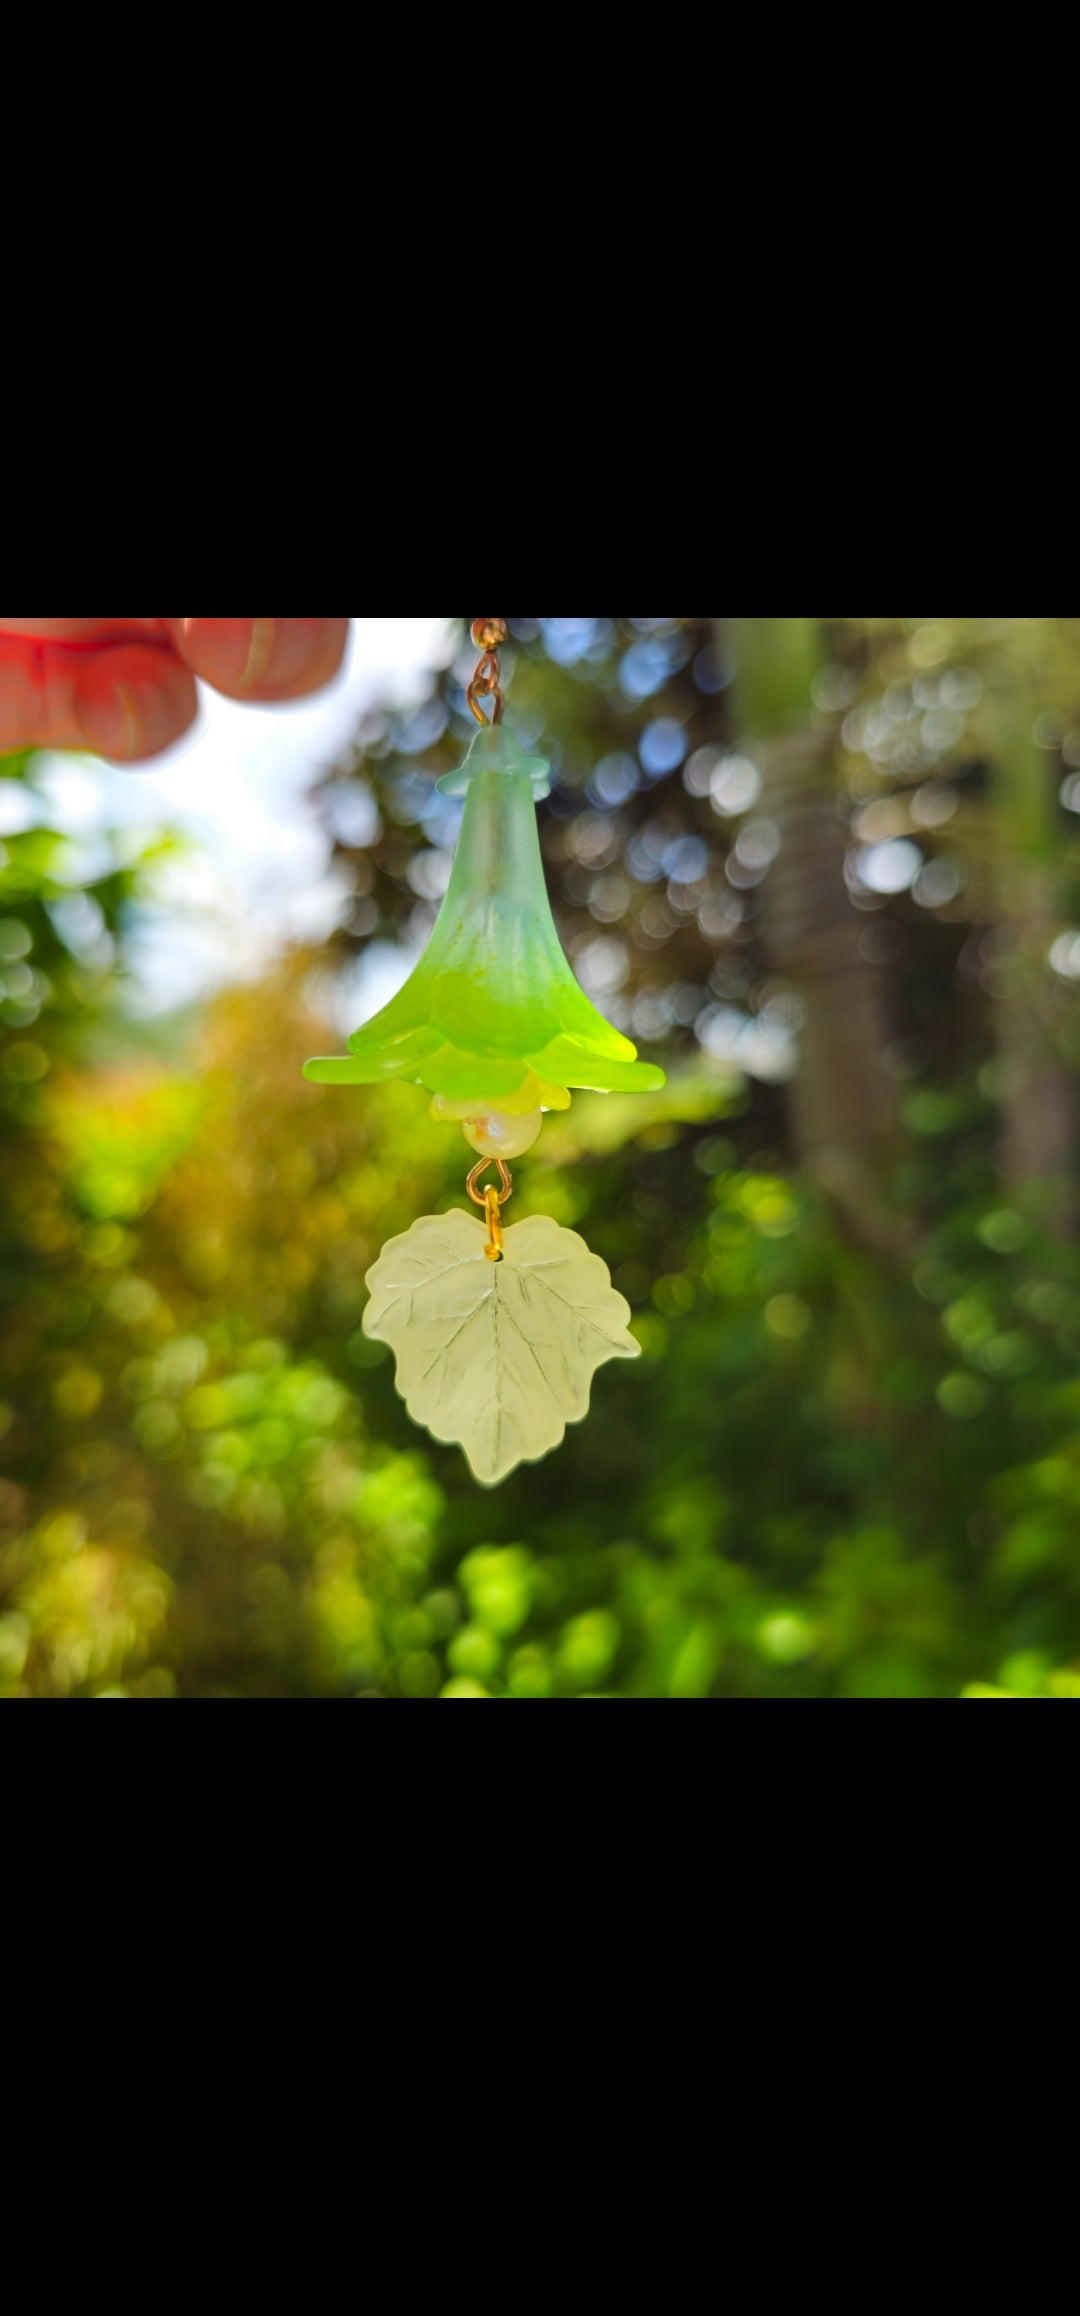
[(87, 631), (262, 659), (128, 702)]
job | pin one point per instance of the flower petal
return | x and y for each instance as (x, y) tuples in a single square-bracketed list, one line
[(493, 1007), (573, 1063), (395, 1057)]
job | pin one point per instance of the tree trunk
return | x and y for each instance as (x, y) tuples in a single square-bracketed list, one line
[(1038, 1096), (842, 1102)]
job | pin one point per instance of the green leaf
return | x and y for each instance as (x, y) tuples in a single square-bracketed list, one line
[(496, 1357)]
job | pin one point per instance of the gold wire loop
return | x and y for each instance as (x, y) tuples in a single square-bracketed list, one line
[(487, 634), (492, 1200), (479, 1197)]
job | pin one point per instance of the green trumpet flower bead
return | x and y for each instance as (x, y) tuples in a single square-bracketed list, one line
[(493, 1014)]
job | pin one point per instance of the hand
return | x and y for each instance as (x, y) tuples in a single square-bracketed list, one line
[(126, 688)]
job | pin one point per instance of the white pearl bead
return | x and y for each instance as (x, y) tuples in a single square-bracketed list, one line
[(495, 1135)]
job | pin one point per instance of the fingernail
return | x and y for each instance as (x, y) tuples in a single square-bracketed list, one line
[(263, 632), (132, 702), (111, 722), (239, 655)]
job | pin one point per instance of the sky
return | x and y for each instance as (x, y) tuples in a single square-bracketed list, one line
[(237, 786)]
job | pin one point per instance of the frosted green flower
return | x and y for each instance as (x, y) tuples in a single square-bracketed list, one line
[(492, 1014)]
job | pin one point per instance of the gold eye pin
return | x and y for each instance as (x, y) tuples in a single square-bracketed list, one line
[(488, 635), (492, 1201)]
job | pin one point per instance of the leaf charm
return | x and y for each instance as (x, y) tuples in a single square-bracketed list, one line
[(497, 1357)]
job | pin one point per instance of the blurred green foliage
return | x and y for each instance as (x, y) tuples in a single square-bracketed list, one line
[(848, 1463)]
